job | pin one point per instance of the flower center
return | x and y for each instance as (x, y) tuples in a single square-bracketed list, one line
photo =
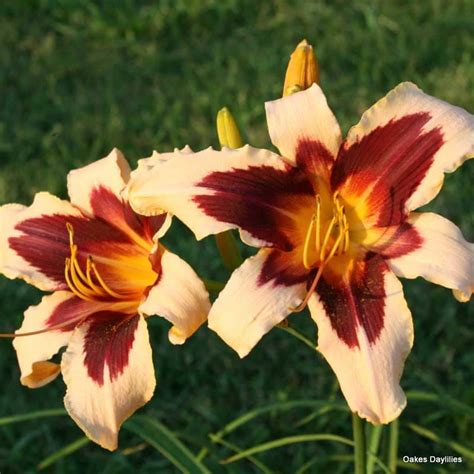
[(88, 285), (324, 240)]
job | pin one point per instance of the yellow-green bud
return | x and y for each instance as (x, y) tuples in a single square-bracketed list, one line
[(227, 130)]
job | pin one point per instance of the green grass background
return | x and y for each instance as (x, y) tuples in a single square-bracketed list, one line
[(80, 77)]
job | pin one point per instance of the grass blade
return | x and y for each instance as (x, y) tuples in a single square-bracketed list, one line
[(7, 420), (163, 440), (442, 400), (252, 459), (251, 415), (63, 452), (278, 443), (455, 446)]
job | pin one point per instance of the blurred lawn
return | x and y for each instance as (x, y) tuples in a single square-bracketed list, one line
[(77, 79)]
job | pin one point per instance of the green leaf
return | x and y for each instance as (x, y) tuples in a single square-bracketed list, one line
[(277, 443), (252, 459), (251, 415), (455, 446), (163, 440), (7, 420), (63, 452), (443, 400)]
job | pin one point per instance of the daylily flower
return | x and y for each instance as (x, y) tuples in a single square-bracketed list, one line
[(336, 225), (108, 272)]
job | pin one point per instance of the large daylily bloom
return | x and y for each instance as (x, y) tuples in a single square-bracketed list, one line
[(336, 225), (108, 272)]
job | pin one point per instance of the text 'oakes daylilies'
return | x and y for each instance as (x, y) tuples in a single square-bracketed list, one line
[(336, 225), (108, 272)]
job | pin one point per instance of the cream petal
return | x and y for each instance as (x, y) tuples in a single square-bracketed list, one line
[(408, 140), (366, 358), (33, 352), (14, 217), (111, 172), (444, 257), (249, 306), (107, 385), (302, 117), (179, 296), (180, 183)]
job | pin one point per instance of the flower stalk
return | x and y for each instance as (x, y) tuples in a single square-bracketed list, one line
[(359, 444)]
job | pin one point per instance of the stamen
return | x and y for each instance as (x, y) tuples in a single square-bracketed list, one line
[(326, 238), (318, 223), (306, 264), (302, 306), (72, 287), (78, 277), (103, 284)]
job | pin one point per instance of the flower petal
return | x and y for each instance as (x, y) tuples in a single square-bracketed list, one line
[(29, 249), (180, 296), (397, 154), (213, 191), (97, 190), (304, 129), (111, 173), (444, 256), (260, 294), (34, 351), (365, 332), (108, 370)]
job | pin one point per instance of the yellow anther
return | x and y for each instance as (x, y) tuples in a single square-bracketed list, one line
[(306, 263), (70, 230)]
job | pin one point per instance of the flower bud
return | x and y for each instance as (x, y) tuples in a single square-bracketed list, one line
[(302, 70), (227, 130)]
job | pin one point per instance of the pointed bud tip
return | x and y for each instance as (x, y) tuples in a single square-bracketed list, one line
[(227, 130), (302, 70)]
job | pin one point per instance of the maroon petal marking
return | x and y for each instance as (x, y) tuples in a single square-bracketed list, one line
[(400, 241), (70, 309), (108, 341), (361, 302), (45, 242), (314, 159), (283, 268), (258, 200), (111, 208), (395, 158)]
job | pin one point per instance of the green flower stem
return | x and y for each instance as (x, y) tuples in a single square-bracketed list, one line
[(393, 446), (359, 444)]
